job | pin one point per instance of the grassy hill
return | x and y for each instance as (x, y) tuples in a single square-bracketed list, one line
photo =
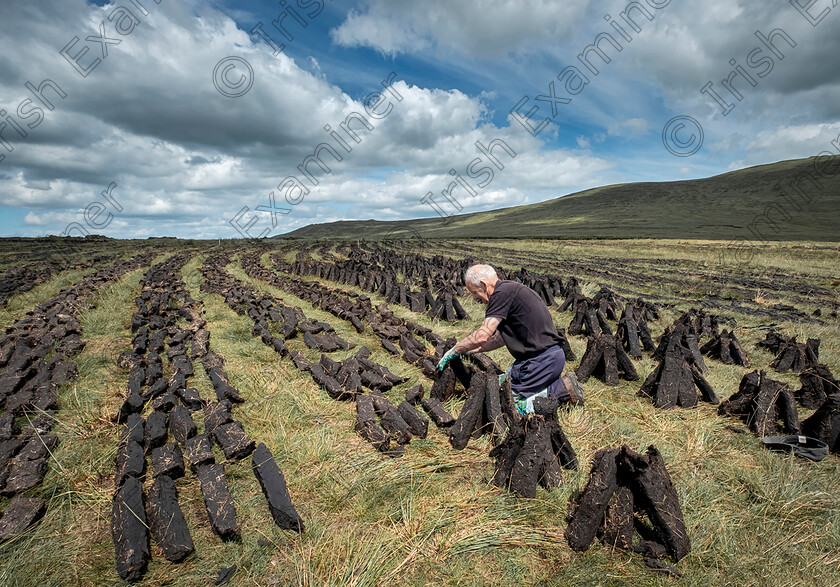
[(720, 207)]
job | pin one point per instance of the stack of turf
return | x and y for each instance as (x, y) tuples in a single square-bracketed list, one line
[(533, 452), (766, 405), (817, 385), (573, 295), (773, 341), (633, 331), (701, 323), (824, 424), (674, 382), (796, 356), (624, 485), (726, 347), (485, 404), (605, 359), (589, 319), (682, 333), (791, 355), (446, 306), (482, 411), (608, 302)]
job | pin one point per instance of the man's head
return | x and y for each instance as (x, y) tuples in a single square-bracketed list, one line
[(481, 281)]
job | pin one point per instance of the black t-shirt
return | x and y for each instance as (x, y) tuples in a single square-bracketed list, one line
[(524, 321)]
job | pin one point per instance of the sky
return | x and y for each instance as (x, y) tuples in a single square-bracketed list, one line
[(223, 119)]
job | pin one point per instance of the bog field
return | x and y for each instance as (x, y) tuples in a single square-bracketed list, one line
[(248, 413)]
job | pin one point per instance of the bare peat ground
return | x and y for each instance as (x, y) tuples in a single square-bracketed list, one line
[(430, 517)]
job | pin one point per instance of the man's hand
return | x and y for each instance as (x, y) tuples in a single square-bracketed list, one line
[(448, 356)]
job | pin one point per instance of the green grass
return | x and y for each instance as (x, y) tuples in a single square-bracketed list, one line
[(430, 518)]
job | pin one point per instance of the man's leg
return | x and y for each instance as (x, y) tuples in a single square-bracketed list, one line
[(559, 390)]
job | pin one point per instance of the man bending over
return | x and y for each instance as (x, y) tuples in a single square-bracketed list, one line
[(517, 318)]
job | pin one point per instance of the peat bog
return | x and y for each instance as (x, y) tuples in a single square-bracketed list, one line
[(174, 412)]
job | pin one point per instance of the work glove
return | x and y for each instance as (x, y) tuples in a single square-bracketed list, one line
[(448, 356)]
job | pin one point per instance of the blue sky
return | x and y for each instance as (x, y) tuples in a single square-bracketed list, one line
[(187, 158)]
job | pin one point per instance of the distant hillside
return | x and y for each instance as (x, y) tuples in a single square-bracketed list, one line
[(722, 207)]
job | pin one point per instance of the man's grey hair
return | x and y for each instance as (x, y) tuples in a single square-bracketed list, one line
[(478, 273)]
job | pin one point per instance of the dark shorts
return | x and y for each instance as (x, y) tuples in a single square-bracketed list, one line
[(531, 376)]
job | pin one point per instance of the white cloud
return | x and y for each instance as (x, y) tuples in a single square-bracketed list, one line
[(479, 27), (33, 219), (790, 142), (629, 128), (186, 159), (693, 43)]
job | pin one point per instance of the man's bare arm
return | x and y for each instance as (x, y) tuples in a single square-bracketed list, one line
[(494, 343), (476, 341)]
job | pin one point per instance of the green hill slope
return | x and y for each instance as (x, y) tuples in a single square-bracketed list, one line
[(742, 205)]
